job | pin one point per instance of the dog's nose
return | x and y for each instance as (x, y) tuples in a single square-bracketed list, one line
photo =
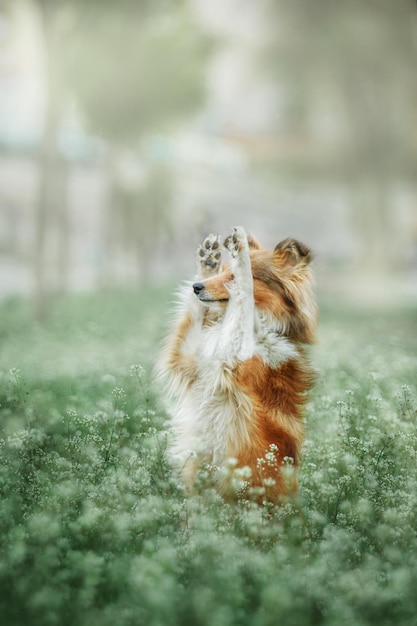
[(198, 288)]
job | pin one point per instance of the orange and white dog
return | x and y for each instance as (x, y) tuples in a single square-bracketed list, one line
[(235, 363)]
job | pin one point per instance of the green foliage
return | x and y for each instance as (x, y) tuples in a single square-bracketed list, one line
[(96, 529), (340, 58), (136, 68)]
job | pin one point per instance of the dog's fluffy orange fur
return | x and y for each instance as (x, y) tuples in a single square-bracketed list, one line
[(235, 363)]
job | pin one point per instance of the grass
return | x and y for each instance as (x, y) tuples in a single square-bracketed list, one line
[(95, 529)]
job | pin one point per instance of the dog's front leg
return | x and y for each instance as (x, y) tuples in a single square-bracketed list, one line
[(179, 356), (238, 340), (208, 261), (209, 257)]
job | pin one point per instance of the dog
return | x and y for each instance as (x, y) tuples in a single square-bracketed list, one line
[(235, 364)]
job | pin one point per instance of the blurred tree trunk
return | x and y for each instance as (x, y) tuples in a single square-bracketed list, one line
[(152, 218), (63, 261), (111, 230), (137, 217), (52, 172)]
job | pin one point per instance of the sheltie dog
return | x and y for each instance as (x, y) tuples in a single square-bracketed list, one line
[(235, 364)]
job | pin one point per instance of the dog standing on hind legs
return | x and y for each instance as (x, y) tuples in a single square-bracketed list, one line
[(235, 363)]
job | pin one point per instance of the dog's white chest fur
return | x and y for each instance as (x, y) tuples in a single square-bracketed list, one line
[(213, 416)]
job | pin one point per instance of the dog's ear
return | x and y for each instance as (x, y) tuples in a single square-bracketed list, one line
[(293, 252), (253, 243)]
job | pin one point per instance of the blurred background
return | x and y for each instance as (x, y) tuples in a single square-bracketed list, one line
[(130, 130)]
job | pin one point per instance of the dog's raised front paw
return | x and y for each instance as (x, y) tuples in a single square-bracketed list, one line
[(236, 242), (209, 255)]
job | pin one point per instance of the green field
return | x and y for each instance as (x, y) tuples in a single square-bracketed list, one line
[(96, 530)]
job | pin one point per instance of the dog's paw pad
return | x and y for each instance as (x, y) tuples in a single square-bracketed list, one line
[(209, 253), (236, 242)]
